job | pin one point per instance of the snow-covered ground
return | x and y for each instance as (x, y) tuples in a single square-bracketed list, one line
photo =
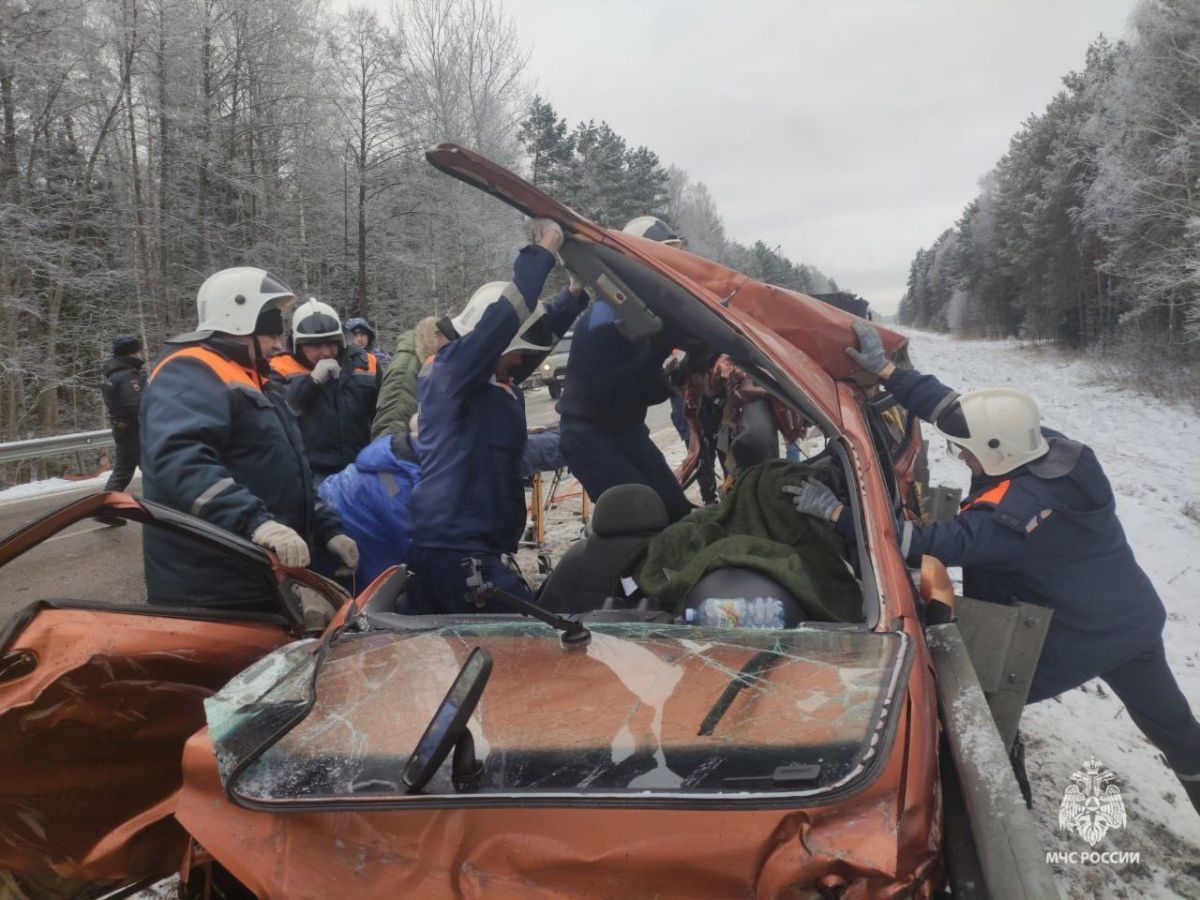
[(49, 486), (1149, 451)]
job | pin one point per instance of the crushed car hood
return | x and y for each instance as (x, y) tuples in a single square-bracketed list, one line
[(589, 787)]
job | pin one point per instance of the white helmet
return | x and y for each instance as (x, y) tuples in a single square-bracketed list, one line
[(653, 228), (315, 322), (231, 300), (1001, 428), (532, 337)]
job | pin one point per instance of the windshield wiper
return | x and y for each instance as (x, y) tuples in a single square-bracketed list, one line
[(479, 592), (755, 667), (782, 777)]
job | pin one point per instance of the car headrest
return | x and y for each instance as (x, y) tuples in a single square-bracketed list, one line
[(628, 509)]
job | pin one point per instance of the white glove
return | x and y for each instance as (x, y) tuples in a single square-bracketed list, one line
[(344, 549), (814, 499), (326, 370), (283, 542), (547, 233), (315, 609)]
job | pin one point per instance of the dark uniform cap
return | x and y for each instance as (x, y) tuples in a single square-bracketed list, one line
[(125, 345)]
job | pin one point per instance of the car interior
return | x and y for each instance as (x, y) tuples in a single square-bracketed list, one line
[(591, 579)]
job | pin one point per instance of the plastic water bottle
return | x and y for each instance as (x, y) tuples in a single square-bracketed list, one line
[(738, 612)]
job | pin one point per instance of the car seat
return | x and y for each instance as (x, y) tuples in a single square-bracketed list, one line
[(757, 439), (625, 517)]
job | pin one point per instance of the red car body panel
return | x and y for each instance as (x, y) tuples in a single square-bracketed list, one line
[(818, 331), (883, 840), (95, 704)]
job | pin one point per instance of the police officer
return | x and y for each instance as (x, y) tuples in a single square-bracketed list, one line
[(332, 388), (124, 380), (611, 382), (470, 502), (1040, 525), (219, 442)]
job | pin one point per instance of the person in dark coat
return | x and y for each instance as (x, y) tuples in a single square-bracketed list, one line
[(124, 381), (362, 336), (332, 388), (611, 382), (219, 442), (471, 434), (1040, 526)]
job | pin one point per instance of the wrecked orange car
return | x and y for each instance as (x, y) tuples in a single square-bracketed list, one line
[(611, 751)]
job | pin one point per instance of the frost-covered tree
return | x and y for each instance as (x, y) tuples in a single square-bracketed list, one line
[(1086, 229), (1145, 197)]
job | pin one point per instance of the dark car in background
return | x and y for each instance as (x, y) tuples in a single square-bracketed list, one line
[(553, 371)]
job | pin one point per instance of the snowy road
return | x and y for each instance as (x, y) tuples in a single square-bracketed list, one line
[(1149, 451)]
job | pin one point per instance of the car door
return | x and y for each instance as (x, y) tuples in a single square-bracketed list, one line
[(99, 691)]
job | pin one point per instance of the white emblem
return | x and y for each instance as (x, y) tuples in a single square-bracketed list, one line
[(1091, 806)]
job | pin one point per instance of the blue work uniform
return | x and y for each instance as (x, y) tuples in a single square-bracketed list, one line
[(335, 417), (471, 438), (1047, 533), (372, 496), (219, 442), (611, 382)]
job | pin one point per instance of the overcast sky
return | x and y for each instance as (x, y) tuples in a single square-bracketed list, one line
[(850, 133)]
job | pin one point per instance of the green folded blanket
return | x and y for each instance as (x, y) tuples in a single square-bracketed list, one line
[(755, 527)]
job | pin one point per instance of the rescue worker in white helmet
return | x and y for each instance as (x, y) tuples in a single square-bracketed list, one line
[(654, 229), (1040, 526), (219, 442), (471, 434), (332, 388), (611, 382)]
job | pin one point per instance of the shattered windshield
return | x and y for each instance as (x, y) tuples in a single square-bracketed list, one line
[(642, 710)]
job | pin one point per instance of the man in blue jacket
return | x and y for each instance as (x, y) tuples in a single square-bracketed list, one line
[(219, 442), (470, 502), (1040, 526), (611, 382), (332, 388)]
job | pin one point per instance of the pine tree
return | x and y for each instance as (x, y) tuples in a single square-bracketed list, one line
[(548, 145)]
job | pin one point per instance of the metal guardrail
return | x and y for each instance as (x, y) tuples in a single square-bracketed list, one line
[(15, 451)]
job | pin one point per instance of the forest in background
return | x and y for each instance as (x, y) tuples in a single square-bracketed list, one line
[(148, 143), (1087, 231)]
